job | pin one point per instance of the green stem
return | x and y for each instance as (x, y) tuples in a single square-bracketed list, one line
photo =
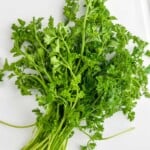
[(66, 45), (40, 145), (16, 126), (120, 133), (76, 100), (53, 136), (83, 35), (67, 65), (110, 137), (33, 142), (65, 143), (62, 138), (42, 46), (63, 146), (40, 81), (54, 140), (36, 36)]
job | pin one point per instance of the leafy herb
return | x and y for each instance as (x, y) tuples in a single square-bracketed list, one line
[(81, 70), (147, 53)]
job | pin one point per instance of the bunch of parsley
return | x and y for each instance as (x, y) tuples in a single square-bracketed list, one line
[(83, 71)]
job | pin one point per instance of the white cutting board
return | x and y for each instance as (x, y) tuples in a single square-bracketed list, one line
[(134, 14)]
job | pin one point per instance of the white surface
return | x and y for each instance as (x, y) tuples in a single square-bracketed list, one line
[(17, 109)]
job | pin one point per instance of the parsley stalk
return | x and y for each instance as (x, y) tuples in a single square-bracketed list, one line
[(16, 126), (84, 32)]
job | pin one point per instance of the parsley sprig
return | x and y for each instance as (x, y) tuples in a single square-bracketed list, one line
[(82, 71)]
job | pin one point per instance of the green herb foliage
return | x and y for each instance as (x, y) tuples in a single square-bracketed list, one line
[(1, 75), (82, 71)]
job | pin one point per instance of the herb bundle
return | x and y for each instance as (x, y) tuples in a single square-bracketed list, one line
[(83, 71)]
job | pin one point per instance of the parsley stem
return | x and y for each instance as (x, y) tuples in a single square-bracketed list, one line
[(62, 138), (40, 81), (36, 36), (66, 45), (84, 27), (86, 133), (120, 133), (67, 65), (53, 138), (83, 34), (16, 126), (41, 144)]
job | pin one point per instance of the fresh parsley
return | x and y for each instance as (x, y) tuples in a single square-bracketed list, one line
[(82, 71)]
